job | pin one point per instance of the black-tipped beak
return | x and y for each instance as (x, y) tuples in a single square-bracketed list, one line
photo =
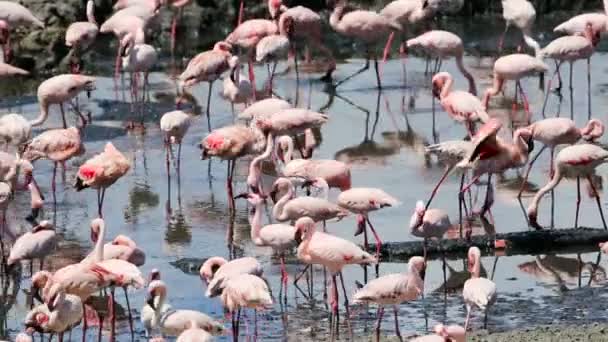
[(534, 222), (32, 218), (243, 195), (360, 228), (150, 302), (425, 4), (254, 189), (298, 236), (530, 143), (79, 185), (35, 291), (273, 196), (204, 153), (51, 306), (423, 272), (436, 92), (307, 183)]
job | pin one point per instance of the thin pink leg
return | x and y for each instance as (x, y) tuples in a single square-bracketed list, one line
[(252, 76), (173, 32), (378, 241)]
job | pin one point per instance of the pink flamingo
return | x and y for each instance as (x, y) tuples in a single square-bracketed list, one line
[(247, 35), (429, 223), (570, 49), (12, 16), (394, 289), (237, 89), (60, 89), (8, 71), (175, 321), (207, 66), (60, 313), (122, 247), (477, 292), (58, 145), (335, 173), (578, 24), (332, 252), (442, 45), (291, 208), (230, 143), (514, 67), (277, 236), (81, 35), (254, 177), (263, 108), (137, 57), (493, 155), (274, 47), (362, 201), (291, 121), (175, 125), (245, 291), (178, 6), (307, 25), (367, 26), (573, 161), (101, 171), (451, 333), (519, 13), (37, 244), (462, 106), (194, 334), (217, 270), (121, 24), (559, 131)]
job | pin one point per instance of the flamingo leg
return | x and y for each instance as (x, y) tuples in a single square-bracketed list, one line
[(334, 302), (346, 305), (53, 182), (208, 110), (378, 80), (364, 68), (65, 124), (578, 201), (526, 103), (589, 88), (597, 200), (571, 93), (487, 203), (252, 75), (129, 312), (532, 161), (548, 91), (173, 32), (397, 330), (378, 242), (117, 63), (502, 39), (461, 202), (84, 323), (466, 321), (284, 276), (112, 315), (379, 313)]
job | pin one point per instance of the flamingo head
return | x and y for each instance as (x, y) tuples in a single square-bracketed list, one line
[(417, 216), (209, 267), (281, 185), (253, 198), (287, 25), (223, 46), (305, 227), (154, 274), (96, 225), (283, 143), (43, 225), (417, 264), (473, 258), (36, 321), (156, 288), (39, 281), (275, 8), (438, 81), (453, 333)]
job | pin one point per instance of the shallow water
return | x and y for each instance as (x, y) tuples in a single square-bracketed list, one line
[(382, 138)]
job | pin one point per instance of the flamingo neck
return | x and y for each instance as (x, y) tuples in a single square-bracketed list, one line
[(99, 243), (466, 74), (255, 221), (532, 43), (255, 171), (159, 302), (447, 87), (533, 208), (44, 114), (288, 155), (593, 130), (278, 211), (336, 15), (91, 12), (324, 187), (476, 268)]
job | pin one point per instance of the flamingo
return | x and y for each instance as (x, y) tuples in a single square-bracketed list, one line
[(60, 89), (277, 236), (263, 108), (137, 57), (305, 24), (216, 271), (122, 23), (101, 171), (122, 247), (81, 35), (175, 321), (559, 131), (451, 333), (194, 334), (570, 49), (148, 312), (477, 292), (247, 35), (58, 145), (514, 67), (37, 244), (429, 223), (316, 247), (362, 201), (394, 289), (237, 89), (520, 13), (462, 106), (178, 6), (573, 161), (207, 66), (578, 24), (8, 71), (290, 121), (492, 155), (245, 291), (175, 125), (25, 336), (274, 47), (367, 26), (291, 208), (442, 45), (12, 16), (336, 173), (61, 313), (254, 177), (230, 143)]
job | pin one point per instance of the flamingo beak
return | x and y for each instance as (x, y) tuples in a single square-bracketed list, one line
[(307, 183), (360, 227), (425, 4), (436, 91), (273, 196), (255, 189), (530, 143), (31, 218), (150, 301), (35, 291), (242, 195), (298, 236), (423, 271), (534, 221)]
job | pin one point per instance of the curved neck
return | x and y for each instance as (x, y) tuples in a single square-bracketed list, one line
[(99, 242), (44, 114), (447, 87), (91, 12), (336, 15), (466, 74), (255, 171), (533, 44), (557, 177), (476, 268), (277, 211), (255, 221), (593, 130), (160, 302), (288, 155), (324, 187)]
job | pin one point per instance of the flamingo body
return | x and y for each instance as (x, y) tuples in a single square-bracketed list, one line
[(36, 244)]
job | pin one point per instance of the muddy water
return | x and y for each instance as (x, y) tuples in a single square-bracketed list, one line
[(180, 222)]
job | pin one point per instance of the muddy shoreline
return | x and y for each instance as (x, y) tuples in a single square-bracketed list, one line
[(559, 332)]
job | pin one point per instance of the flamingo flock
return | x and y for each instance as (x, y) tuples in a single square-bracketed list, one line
[(272, 133)]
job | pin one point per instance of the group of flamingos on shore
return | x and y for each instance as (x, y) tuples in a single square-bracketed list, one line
[(272, 125)]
